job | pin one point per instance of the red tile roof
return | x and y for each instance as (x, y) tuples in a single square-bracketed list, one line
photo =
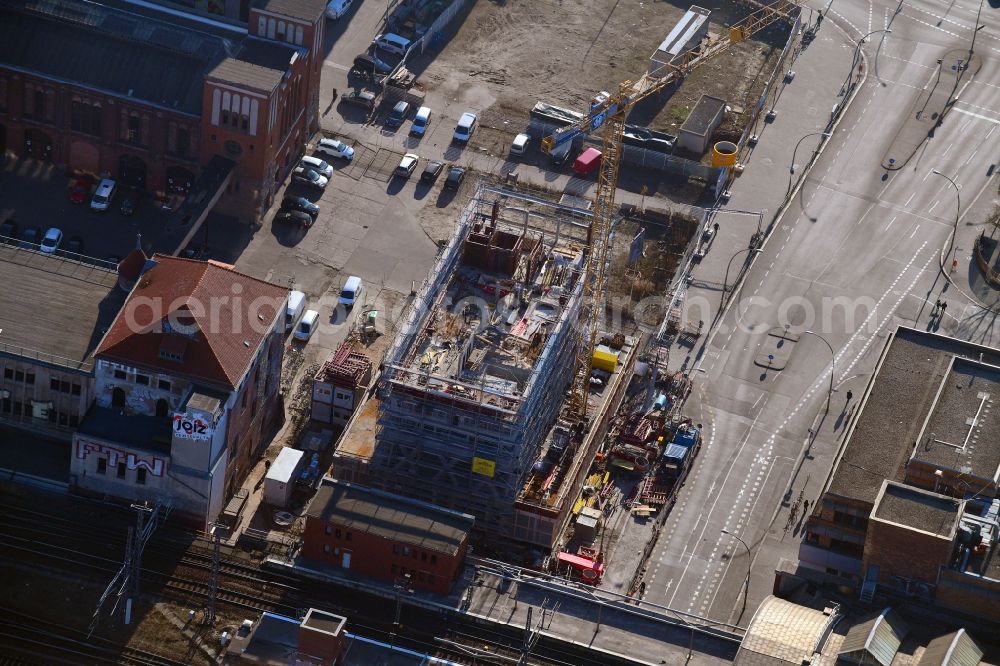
[(224, 315)]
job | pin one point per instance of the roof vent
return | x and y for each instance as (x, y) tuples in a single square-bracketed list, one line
[(246, 344)]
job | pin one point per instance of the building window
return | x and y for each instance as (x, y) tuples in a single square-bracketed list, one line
[(5, 405), (75, 389), (414, 553), (142, 380), (395, 549), (53, 383), (423, 557), (29, 378), (64, 387), (163, 385), (337, 533), (85, 117), (406, 551), (326, 549), (102, 465), (329, 529), (19, 375), (140, 476), (434, 559), (121, 470), (8, 373), (120, 374)]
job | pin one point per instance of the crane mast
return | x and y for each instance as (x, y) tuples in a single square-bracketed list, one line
[(607, 115)]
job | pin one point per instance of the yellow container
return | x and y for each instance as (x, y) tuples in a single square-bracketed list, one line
[(605, 361), (724, 154)]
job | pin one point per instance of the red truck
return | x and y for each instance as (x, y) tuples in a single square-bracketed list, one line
[(587, 162)]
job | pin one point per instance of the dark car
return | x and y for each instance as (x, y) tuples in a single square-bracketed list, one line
[(80, 191), (456, 175), (130, 202), (32, 237), (367, 66), (8, 231), (74, 246), (361, 98), (198, 252), (431, 172), (300, 204), (294, 217), (398, 114)]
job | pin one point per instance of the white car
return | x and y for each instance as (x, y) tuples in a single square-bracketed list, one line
[(407, 165), (309, 177), (337, 8), (53, 238), (317, 165), (334, 148), (392, 43), (466, 126)]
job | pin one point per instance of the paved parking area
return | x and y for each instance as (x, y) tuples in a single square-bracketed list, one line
[(35, 194)]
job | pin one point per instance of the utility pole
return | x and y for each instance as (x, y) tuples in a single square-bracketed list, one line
[(213, 574)]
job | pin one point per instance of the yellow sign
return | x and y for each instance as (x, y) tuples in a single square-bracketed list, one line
[(484, 466)]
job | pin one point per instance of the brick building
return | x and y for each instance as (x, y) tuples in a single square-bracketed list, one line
[(150, 97), (910, 507), (186, 381), (386, 536)]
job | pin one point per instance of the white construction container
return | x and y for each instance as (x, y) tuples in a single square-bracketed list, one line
[(280, 479)]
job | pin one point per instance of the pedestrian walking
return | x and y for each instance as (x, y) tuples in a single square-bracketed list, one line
[(944, 306)]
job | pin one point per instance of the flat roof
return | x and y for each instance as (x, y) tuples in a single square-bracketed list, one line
[(150, 433), (897, 401), (284, 464), (963, 430), (246, 74), (60, 309), (684, 30), (303, 10), (918, 509), (390, 516), (703, 115)]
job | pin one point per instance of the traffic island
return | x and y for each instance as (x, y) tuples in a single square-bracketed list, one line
[(775, 350), (988, 259)]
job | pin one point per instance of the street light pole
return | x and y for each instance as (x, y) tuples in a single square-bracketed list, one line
[(857, 52), (746, 592), (833, 366), (725, 281), (791, 167), (958, 214)]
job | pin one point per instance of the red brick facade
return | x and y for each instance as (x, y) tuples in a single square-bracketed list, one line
[(380, 558)]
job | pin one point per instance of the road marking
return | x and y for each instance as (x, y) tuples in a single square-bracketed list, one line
[(948, 149), (976, 115), (890, 223), (931, 209), (972, 155), (910, 199), (915, 231), (870, 8)]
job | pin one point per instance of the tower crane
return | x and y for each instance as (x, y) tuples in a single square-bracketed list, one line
[(607, 115)]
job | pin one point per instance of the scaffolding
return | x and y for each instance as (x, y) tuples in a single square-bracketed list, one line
[(481, 366)]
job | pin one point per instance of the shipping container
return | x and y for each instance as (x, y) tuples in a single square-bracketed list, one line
[(587, 162), (281, 476)]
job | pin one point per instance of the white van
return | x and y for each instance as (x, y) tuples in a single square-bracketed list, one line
[(337, 8), (421, 121), (466, 126), (307, 326), (296, 306), (316, 164), (103, 195), (351, 293), (392, 43), (520, 144)]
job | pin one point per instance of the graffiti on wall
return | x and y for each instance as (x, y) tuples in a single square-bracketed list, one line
[(153, 465)]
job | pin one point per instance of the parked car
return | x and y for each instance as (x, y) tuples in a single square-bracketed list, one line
[(431, 172), (52, 240), (456, 175), (398, 114), (130, 203), (420, 121), (31, 237), (334, 148), (198, 252), (392, 43), (407, 165), (307, 326), (309, 177), (79, 191), (361, 98), (300, 203), (368, 66), (466, 126), (8, 231), (294, 217), (337, 8), (103, 196), (74, 246), (317, 165)]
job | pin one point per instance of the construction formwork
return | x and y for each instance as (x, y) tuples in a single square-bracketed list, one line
[(466, 443)]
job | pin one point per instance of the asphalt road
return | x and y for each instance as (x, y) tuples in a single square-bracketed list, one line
[(855, 254)]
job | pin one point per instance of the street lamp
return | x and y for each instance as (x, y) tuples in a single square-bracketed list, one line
[(833, 366), (746, 588), (725, 281), (958, 211), (791, 167), (857, 52)]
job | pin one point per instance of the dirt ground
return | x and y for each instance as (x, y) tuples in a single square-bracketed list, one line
[(506, 56)]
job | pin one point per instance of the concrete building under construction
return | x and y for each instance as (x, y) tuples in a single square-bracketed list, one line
[(479, 371)]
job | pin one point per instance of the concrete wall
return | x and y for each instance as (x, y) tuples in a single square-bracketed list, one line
[(377, 557), (25, 382)]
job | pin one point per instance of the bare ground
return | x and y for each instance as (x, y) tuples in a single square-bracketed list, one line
[(506, 56)]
